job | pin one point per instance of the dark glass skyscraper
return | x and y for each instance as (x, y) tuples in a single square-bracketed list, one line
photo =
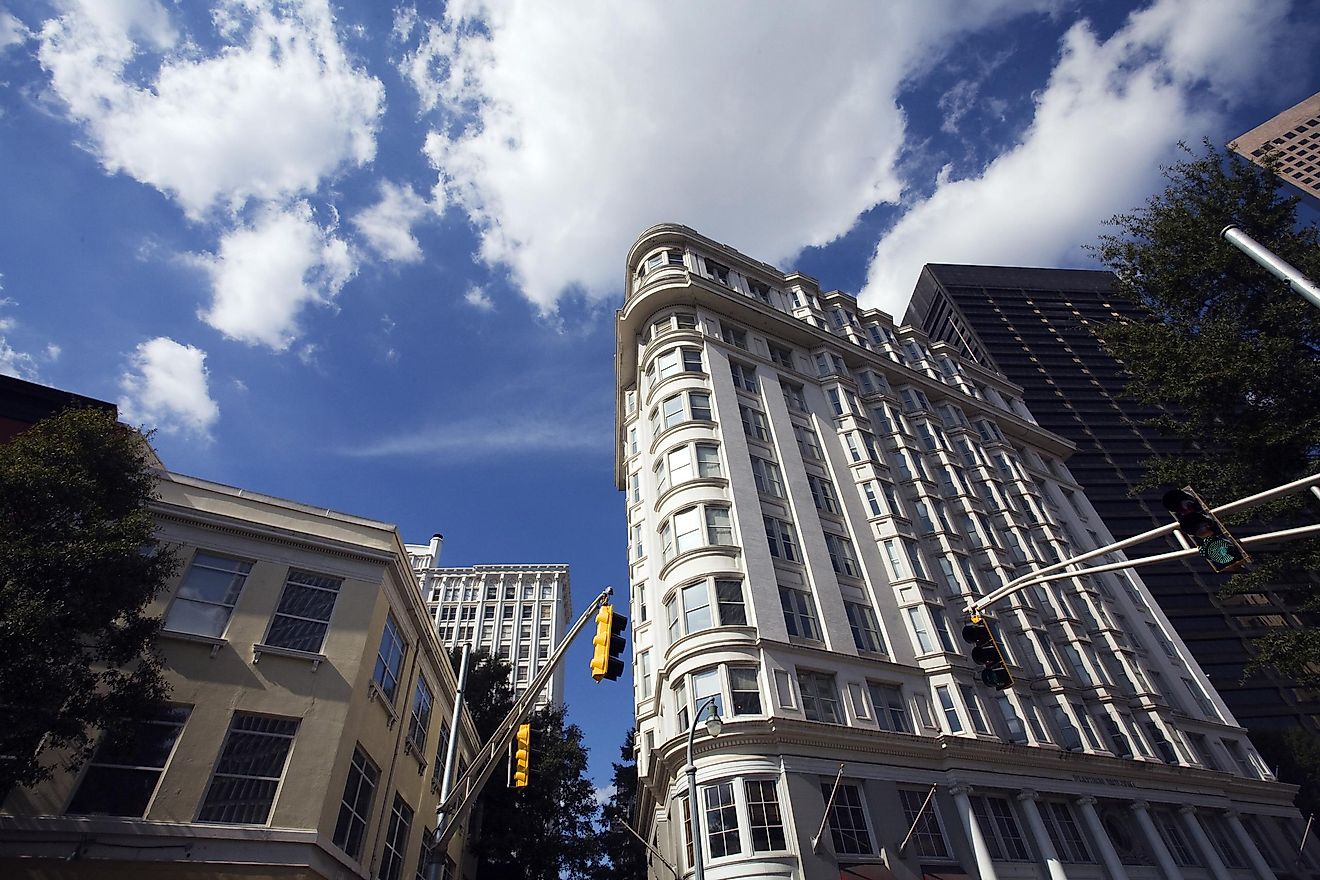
[(1032, 325)]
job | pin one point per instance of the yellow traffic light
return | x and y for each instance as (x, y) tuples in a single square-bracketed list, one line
[(606, 661), (522, 756)]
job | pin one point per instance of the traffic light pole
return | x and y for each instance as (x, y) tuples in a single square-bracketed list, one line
[(455, 807), (1272, 263), (1061, 570)]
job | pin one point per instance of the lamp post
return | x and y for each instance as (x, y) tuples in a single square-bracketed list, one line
[(713, 727)]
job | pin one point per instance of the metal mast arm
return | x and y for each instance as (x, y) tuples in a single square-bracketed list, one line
[(1062, 570), (456, 806)]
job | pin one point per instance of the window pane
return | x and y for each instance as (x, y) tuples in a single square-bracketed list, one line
[(243, 787), (763, 810), (730, 598), (355, 807), (121, 778), (745, 690), (721, 820)]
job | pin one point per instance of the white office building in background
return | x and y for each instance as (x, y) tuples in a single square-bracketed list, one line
[(812, 494), (517, 612)]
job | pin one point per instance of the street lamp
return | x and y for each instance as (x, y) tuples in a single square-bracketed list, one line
[(713, 727)]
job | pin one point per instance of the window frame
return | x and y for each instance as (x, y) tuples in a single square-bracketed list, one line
[(231, 739), (273, 627), (229, 601)]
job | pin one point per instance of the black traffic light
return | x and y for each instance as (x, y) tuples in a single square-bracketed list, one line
[(606, 661), (986, 654), (522, 756), (1203, 529)]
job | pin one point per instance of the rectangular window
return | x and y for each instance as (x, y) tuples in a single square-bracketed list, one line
[(781, 356), (794, 397), (872, 499), (799, 614), (719, 530), (721, 820), (767, 825), (767, 476), (122, 778), (706, 688), (735, 336), (396, 841), (820, 697), (822, 494), (389, 658), (848, 829), (744, 690), (951, 718), (729, 600), (782, 539), (917, 620), (973, 709), (842, 558), (708, 460), (696, 608), (1000, 828), (807, 443), (251, 765), (865, 630), (942, 629), (644, 673), (303, 615), (207, 596), (355, 807), (754, 425), (744, 377), (890, 710), (927, 836), (420, 720), (1064, 833)]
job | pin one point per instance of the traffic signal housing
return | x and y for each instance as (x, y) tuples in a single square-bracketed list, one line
[(606, 659), (986, 654), (1197, 521), (522, 756)]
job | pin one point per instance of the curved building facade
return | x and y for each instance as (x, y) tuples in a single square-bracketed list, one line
[(813, 493)]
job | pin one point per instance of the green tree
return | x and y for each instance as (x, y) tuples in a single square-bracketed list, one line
[(624, 853), (1231, 357), (547, 830), (78, 568)]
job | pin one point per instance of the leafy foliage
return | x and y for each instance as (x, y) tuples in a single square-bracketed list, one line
[(77, 571), (625, 856), (546, 831), (1232, 355)]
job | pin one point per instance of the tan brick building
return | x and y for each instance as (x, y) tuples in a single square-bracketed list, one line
[(1294, 135), (310, 711)]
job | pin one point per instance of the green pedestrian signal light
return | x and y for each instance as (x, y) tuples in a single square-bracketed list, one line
[(1199, 524), (986, 654), (606, 659)]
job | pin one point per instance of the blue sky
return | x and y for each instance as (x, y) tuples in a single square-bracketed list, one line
[(367, 256)]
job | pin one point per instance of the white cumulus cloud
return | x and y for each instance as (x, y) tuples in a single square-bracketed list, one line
[(268, 116), (477, 297), (387, 225), (12, 31), (166, 387), (1111, 112), (264, 274), (769, 131)]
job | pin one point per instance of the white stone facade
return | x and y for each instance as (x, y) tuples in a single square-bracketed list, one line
[(517, 612), (811, 494)]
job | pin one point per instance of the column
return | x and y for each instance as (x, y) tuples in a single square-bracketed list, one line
[(1113, 864), (1248, 846), (984, 866), (1141, 810), (1028, 800), (1212, 860)]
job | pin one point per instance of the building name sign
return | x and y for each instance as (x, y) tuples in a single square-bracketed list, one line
[(1103, 780)]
